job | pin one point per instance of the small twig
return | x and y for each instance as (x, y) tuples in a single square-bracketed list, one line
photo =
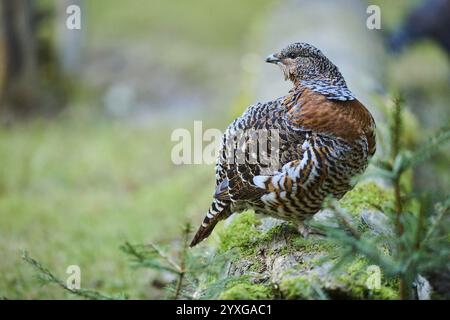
[(167, 258), (420, 225), (47, 276), (396, 132), (396, 127), (183, 255), (398, 206)]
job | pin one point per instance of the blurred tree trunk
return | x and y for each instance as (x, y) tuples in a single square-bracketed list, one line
[(32, 82)]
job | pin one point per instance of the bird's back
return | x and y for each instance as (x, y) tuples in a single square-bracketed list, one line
[(332, 138), (284, 157)]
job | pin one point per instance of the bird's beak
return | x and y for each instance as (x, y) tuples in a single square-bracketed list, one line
[(272, 59)]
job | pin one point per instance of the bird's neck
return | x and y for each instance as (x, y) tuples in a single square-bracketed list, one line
[(333, 88)]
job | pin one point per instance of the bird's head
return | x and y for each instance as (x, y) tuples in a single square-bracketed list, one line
[(303, 62)]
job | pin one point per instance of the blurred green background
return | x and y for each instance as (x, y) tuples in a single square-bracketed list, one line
[(86, 171), (78, 183)]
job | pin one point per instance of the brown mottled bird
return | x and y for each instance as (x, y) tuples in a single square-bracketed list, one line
[(324, 137)]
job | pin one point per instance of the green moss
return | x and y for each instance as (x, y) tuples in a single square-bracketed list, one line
[(311, 244), (297, 288), (366, 195), (349, 283), (240, 234), (243, 234), (355, 278), (272, 232), (247, 291)]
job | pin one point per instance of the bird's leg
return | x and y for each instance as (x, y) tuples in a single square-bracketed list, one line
[(307, 231), (303, 230)]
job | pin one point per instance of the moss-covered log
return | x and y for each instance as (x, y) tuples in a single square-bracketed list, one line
[(270, 259)]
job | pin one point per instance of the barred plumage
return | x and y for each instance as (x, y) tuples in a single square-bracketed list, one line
[(324, 138)]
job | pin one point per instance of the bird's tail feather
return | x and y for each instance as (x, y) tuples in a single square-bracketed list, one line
[(218, 210)]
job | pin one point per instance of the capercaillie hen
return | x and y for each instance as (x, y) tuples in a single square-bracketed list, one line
[(325, 137)]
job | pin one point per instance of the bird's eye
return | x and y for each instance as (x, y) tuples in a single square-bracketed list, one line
[(292, 55)]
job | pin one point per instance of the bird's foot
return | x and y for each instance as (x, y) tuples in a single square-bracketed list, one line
[(307, 231)]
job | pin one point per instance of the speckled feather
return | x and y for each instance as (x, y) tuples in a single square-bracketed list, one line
[(326, 137)]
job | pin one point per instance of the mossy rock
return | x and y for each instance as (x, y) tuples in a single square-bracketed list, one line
[(241, 233), (246, 291), (365, 196), (275, 261)]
